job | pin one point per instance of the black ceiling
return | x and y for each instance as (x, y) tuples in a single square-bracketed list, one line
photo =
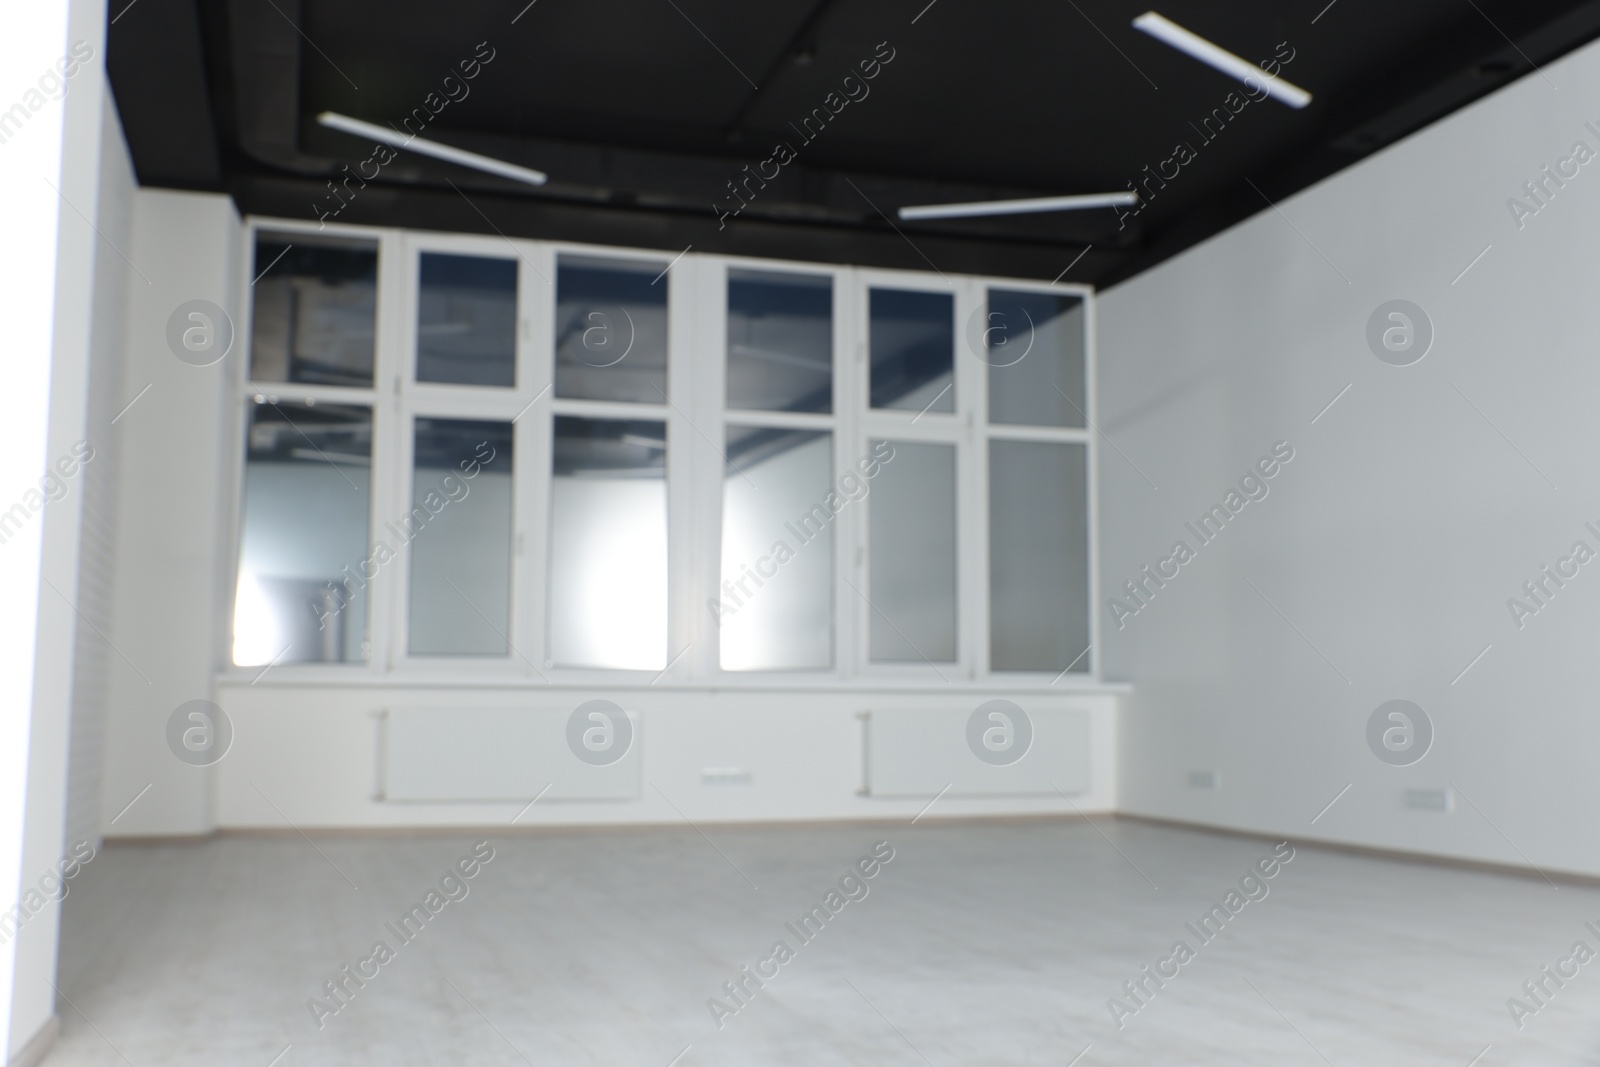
[(642, 112)]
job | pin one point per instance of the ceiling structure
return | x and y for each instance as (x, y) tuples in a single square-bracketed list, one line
[(797, 128)]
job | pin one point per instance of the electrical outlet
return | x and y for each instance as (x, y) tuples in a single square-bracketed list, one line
[(1430, 800)]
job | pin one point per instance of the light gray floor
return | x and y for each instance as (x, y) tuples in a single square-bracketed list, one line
[(978, 944)]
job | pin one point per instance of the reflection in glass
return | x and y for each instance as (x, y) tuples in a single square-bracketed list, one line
[(780, 341), (913, 554), (467, 320), (912, 340), (1038, 556), (459, 529), (315, 310), (775, 607), (1036, 358), (304, 559), (608, 544), (611, 329)]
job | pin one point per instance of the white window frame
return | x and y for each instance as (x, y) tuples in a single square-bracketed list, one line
[(1085, 436), (696, 418), (416, 400), (892, 424)]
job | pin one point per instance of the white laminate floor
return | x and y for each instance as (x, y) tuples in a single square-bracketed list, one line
[(978, 944)]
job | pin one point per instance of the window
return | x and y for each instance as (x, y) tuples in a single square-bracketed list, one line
[(308, 478), (461, 497), (913, 350), (774, 608), (1039, 602), (307, 485), (608, 489), (467, 320), (1038, 555), (535, 462), (780, 342), (1036, 347), (608, 543), (315, 311), (913, 563), (611, 330)]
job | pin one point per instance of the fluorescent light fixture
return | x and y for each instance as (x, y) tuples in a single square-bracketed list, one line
[(1164, 29), (384, 135), (1019, 207)]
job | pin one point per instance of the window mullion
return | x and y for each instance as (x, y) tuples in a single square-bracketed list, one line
[(391, 451), (533, 427)]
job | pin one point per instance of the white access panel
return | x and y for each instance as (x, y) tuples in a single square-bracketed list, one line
[(477, 754), (923, 752)]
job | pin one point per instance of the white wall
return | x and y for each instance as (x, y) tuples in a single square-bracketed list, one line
[(50, 175), (97, 484), (309, 755), (178, 444), (1406, 519)]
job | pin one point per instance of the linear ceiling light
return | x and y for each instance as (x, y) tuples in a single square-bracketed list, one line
[(1019, 207), (1164, 29), (335, 121)]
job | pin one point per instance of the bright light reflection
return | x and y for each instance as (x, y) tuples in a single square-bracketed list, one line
[(608, 573), (257, 634)]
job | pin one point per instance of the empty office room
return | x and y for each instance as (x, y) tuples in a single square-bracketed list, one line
[(675, 533)]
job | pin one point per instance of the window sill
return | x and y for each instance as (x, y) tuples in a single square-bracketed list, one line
[(363, 678)]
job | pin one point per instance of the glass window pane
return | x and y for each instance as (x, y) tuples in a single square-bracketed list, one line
[(611, 330), (304, 558), (912, 340), (608, 544), (467, 320), (315, 310), (1034, 345), (912, 562), (780, 341), (1038, 556), (775, 609), (459, 530)]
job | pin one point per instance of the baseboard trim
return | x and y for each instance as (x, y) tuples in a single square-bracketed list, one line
[(33, 1053), (533, 829), (1428, 859), (1573, 878)]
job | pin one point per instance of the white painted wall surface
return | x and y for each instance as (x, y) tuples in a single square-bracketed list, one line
[(97, 482), (178, 443), (309, 756), (1413, 509), (50, 181)]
